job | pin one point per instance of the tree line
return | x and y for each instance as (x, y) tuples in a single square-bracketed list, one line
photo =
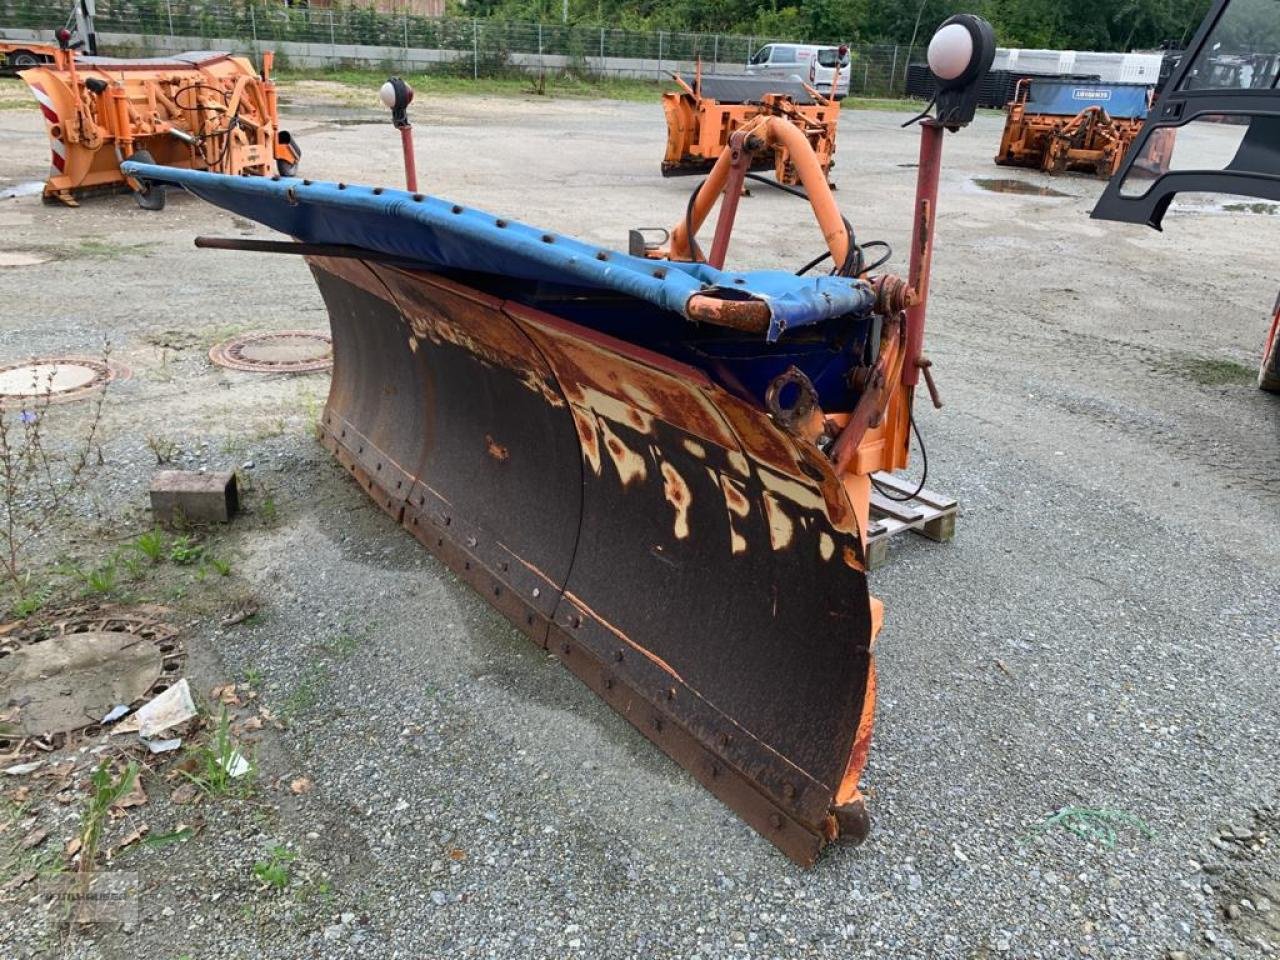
[(1055, 24)]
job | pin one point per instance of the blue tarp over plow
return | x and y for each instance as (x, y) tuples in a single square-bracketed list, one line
[(1067, 98), (439, 234)]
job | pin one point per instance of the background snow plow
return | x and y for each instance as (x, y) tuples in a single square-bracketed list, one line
[(204, 111), (1061, 125), (657, 469), (706, 111)]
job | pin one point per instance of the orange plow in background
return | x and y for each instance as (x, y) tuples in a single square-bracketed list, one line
[(705, 113), (657, 468), (199, 111)]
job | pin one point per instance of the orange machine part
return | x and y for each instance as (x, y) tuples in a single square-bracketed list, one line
[(212, 112), (699, 128)]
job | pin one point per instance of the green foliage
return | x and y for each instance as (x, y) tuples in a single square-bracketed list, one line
[(150, 545), (184, 551), (273, 872), (101, 580), (219, 760), (105, 791)]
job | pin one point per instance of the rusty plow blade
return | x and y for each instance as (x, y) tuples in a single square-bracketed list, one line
[(584, 437), (687, 560)]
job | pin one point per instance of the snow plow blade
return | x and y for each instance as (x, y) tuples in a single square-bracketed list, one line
[(658, 469), (679, 553)]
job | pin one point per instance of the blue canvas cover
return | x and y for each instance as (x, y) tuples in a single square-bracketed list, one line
[(439, 234), (1067, 98)]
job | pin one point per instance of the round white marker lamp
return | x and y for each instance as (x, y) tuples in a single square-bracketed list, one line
[(396, 95), (961, 50)]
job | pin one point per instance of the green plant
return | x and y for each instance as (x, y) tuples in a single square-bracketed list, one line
[(222, 769), (105, 791), (101, 580), (253, 677), (40, 480), (30, 601), (269, 512), (151, 545), (131, 564), (273, 872), (184, 551), (163, 449), (222, 567), (166, 839)]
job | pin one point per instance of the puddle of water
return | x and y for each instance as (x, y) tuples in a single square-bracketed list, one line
[(1021, 187), (32, 189)]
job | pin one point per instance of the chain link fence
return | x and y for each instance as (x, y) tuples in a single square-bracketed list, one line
[(468, 46)]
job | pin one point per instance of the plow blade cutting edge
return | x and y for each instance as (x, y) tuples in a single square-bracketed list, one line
[(694, 565)]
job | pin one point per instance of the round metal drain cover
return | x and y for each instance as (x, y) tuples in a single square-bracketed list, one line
[(283, 351), (57, 379), (61, 677), (21, 258)]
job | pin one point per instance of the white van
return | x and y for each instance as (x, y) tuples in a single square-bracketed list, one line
[(805, 62)]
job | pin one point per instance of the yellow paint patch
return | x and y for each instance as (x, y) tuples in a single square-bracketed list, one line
[(826, 546), (678, 495), (697, 449), (619, 411), (781, 529), (587, 437), (735, 497), (735, 501), (630, 465), (797, 493)]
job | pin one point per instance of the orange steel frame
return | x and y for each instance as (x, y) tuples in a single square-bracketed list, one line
[(218, 115), (876, 434), (1092, 141), (699, 128)]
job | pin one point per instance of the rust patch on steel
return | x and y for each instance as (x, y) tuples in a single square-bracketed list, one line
[(781, 526), (589, 372), (444, 312), (496, 450), (585, 424), (677, 493), (629, 464)]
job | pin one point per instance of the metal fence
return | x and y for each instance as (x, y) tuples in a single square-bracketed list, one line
[(475, 46)]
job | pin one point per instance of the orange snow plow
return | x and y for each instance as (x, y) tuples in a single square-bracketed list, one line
[(658, 468), (1061, 125), (201, 111), (705, 113)]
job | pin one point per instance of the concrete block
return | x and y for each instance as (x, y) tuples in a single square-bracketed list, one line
[(180, 497)]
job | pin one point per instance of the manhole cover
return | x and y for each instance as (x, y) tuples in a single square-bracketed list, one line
[(284, 351), (57, 379), (60, 677), (19, 258)]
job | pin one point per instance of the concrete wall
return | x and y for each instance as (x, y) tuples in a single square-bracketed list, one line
[(322, 55)]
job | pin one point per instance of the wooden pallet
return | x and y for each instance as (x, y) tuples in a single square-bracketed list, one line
[(928, 514)]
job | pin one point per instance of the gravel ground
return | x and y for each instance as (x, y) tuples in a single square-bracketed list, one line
[(1103, 632)]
